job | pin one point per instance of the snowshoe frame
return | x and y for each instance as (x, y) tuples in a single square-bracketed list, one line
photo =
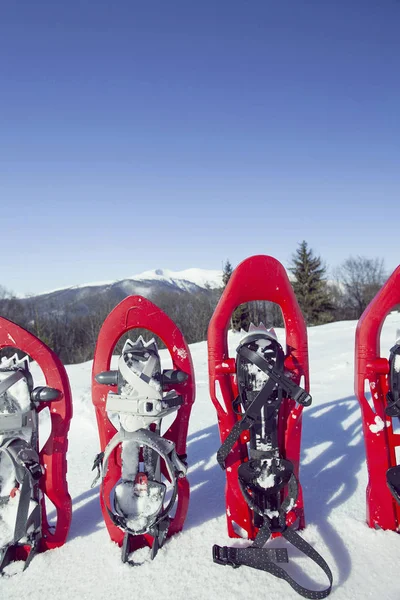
[(132, 313), (379, 438), (257, 278), (53, 482)]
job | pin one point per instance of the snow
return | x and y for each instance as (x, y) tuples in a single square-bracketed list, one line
[(266, 479), (138, 503), (379, 425), (333, 475), (181, 352)]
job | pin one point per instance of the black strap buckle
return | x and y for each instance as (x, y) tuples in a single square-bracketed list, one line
[(221, 556), (35, 469), (302, 397)]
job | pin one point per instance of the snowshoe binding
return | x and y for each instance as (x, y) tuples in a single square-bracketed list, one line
[(392, 410), (27, 474), (143, 473), (260, 427), (382, 377)]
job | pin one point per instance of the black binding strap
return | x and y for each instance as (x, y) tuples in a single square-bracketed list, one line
[(246, 422), (277, 376)]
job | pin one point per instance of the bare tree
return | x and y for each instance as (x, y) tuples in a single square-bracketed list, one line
[(10, 307), (359, 280)]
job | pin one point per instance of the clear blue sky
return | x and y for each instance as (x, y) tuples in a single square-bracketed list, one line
[(176, 134)]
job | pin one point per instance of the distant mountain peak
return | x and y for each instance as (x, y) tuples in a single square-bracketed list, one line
[(200, 277)]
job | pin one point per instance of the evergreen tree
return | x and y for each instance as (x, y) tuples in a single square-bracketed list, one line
[(241, 318), (226, 273), (310, 286), (241, 315)]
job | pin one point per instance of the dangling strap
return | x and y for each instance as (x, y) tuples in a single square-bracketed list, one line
[(262, 559), (258, 557)]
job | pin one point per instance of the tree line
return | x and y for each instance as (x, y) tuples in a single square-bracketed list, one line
[(342, 297), (73, 335)]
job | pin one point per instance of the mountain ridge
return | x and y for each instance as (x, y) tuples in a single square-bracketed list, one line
[(201, 278), (86, 298)]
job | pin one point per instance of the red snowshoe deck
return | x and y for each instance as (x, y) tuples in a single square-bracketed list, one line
[(257, 278), (380, 440), (132, 313)]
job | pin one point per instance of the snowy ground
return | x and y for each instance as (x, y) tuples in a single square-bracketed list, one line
[(333, 474)]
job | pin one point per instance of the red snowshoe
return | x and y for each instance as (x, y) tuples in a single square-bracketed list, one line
[(143, 472), (383, 379), (259, 404), (27, 475)]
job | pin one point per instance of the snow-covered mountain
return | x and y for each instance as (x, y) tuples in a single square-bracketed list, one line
[(199, 277), (182, 279), (84, 297)]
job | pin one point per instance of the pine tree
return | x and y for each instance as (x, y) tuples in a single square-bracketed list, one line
[(241, 316), (226, 273), (310, 286)]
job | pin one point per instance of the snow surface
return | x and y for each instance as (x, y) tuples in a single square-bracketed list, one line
[(334, 478)]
